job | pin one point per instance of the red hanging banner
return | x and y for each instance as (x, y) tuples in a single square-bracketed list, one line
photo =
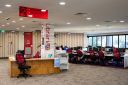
[(33, 12), (28, 43)]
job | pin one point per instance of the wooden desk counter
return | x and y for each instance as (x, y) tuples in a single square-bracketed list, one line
[(38, 66)]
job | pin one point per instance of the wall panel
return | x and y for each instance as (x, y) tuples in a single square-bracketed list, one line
[(8, 43), (69, 39)]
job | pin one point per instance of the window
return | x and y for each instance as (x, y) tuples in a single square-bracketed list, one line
[(98, 41), (94, 41), (121, 41), (109, 41), (90, 41), (126, 41), (115, 41), (118, 41), (103, 41)]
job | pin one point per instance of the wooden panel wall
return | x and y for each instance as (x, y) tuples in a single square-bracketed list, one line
[(71, 40)]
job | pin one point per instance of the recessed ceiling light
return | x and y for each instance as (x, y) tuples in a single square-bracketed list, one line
[(12, 31), (1, 12), (17, 28), (23, 26), (97, 25), (88, 18), (14, 21), (8, 23), (68, 23), (3, 25), (8, 5), (122, 21), (21, 19), (62, 3), (29, 15), (43, 10)]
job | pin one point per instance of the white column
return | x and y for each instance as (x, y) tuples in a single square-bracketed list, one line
[(47, 41), (85, 40)]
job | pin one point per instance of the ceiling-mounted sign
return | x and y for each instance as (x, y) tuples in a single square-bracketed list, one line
[(33, 12)]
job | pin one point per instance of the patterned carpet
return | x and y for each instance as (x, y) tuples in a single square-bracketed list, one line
[(76, 75)]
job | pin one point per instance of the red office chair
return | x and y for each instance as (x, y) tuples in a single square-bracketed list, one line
[(92, 56), (101, 57), (116, 56), (37, 55), (22, 66)]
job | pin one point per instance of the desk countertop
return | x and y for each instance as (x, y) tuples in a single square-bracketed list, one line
[(31, 59)]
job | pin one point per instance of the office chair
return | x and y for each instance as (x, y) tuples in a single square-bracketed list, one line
[(101, 57), (22, 66), (37, 55), (116, 56)]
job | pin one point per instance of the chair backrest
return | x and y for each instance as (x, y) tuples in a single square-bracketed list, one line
[(101, 54), (79, 52), (116, 53), (91, 52), (37, 55), (20, 59)]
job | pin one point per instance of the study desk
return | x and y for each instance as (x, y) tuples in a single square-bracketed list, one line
[(38, 66)]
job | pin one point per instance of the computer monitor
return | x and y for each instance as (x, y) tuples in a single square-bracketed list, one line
[(85, 49), (107, 49)]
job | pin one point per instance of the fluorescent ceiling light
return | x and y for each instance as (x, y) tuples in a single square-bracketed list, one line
[(1, 12), (43, 10), (8, 5), (122, 21), (62, 3)]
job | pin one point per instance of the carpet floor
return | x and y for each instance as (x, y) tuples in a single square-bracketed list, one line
[(76, 75)]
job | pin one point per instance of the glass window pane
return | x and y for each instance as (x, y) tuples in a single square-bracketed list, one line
[(94, 41), (90, 41), (126, 41), (121, 41), (109, 41), (103, 41), (98, 41), (115, 41)]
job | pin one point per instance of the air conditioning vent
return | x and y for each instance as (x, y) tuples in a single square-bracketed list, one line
[(80, 13), (8, 18), (107, 21), (34, 21)]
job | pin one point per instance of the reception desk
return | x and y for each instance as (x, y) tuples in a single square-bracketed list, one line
[(38, 66)]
